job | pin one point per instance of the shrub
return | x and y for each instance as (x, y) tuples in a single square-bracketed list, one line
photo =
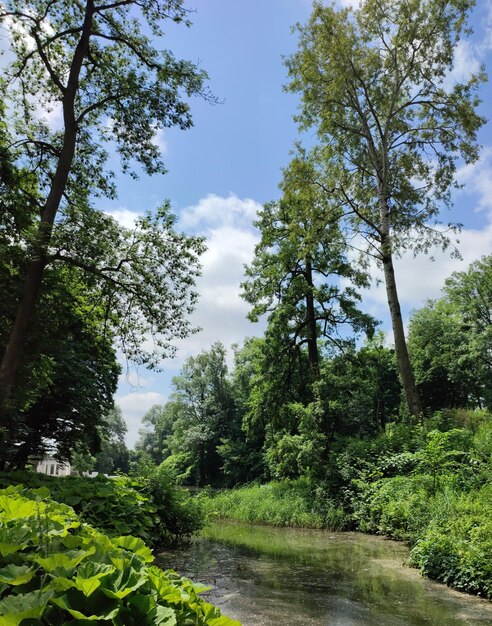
[(456, 548), (397, 507), (147, 509), (56, 570)]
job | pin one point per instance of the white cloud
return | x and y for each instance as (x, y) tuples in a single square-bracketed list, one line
[(466, 61), (133, 407), (159, 140), (477, 179), (214, 211), (421, 278), (221, 312), (124, 216)]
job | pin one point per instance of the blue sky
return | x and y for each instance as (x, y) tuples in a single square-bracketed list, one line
[(221, 171)]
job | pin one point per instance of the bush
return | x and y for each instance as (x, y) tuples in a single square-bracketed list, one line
[(56, 570), (147, 508), (398, 507), (180, 515), (456, 548)]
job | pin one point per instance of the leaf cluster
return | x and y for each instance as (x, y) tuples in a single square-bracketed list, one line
[(55, 569)]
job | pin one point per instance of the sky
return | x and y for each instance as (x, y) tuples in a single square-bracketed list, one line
[(223, 169)]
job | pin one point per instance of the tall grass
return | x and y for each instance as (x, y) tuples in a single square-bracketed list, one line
[(281, 503)]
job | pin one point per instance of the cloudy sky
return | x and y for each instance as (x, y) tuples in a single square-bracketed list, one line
[(223, 169)]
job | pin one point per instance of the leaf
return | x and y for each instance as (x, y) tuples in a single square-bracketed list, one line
[(16, 574), (201, 588), (15, 608), (223, 621), (96, 607), (121, 583), (135, 545), (17, 508), (14, 539), (62, 563)]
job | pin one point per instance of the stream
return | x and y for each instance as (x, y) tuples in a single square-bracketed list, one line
[(264, 576)]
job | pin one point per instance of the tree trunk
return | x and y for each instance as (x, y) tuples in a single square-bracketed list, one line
[(312, 328), (402, 357), (34, 276)]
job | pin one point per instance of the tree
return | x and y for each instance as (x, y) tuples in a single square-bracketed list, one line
[(91, 62), (113, 455), (204, 409), (67, 375), (456, 370), (157, 427), (298, 267), (376, 84)]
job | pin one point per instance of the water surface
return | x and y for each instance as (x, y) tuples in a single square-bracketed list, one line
[(265, 576)]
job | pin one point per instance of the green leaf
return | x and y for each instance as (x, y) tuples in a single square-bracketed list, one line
[(96, 607), (15, 608), (223, 621), (135, 545), (121, 583), (63, 562), (16, 574), (17, 508)]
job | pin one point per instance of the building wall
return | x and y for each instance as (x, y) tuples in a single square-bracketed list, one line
[(52, 467)]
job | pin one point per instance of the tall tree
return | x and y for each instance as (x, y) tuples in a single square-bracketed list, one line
[(204, 409), (157, 428), (91, 62), (67, 375), (391, 123), (299, 265), (113, 455)]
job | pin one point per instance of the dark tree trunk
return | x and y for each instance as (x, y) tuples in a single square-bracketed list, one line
[(402, 357), (34, 276), (312, 328)]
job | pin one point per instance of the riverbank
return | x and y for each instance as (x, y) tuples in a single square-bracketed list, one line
[(266, 576), (449, 530)]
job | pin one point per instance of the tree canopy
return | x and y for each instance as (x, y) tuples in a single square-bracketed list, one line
[(391, 123), (95, 65)]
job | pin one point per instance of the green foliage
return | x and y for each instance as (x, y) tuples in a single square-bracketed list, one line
[(179, 514), (282, 503), (456, 371), (456, 548), (69, 372), (149, 508), (203, 414), (55, 569)]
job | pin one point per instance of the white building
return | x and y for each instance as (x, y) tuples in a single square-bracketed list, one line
[(52, 467)]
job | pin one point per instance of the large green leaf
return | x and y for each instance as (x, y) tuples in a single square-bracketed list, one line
[(13, 508), (123, 582), (135, 545), (15, 608), (142, 610), (96, 607), (14, 539), (17, 574), (63, 563)]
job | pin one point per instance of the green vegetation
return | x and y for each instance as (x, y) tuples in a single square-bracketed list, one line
[(285, 503), (327, 425), (148, 507), (55, 569), (431, 488)]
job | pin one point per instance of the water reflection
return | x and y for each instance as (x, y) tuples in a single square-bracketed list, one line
[(270, 577)]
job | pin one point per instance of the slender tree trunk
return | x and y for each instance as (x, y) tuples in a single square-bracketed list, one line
[(34, 276), (402, 357), (311, 324)]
